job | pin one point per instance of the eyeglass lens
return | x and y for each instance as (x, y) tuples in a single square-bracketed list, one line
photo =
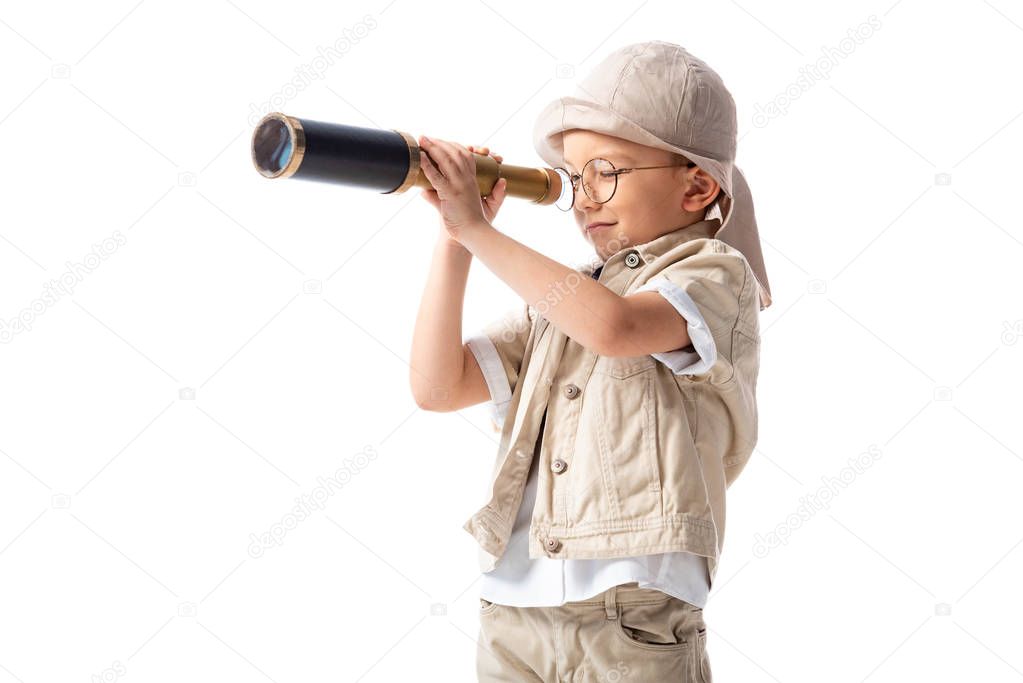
[(598, 183)]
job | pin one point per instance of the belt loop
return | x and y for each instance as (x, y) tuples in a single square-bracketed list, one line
[(610, 608)]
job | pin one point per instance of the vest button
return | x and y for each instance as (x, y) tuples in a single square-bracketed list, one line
[(553, 544), (558, 466), (571, 391), (632, 259)]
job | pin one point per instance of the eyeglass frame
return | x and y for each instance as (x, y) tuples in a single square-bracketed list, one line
[(575, 178)]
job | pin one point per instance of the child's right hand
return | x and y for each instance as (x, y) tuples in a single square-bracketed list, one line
[(492, 203)]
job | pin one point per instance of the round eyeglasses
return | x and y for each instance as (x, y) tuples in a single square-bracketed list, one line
[(599, 180)]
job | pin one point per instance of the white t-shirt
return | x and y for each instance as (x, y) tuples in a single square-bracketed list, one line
[(546, 582)]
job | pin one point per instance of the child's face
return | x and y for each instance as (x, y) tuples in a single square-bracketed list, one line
[(647, 203)]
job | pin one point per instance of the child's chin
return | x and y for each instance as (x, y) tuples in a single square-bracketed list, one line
[(606, 237)]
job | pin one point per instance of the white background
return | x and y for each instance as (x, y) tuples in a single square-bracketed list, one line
[(887, 197)]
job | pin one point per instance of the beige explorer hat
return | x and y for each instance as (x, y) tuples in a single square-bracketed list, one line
[(657, 94)]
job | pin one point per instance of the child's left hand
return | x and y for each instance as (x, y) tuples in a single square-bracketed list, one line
[(451, 169)]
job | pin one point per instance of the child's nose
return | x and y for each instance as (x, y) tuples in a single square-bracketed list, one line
[(582, 201)]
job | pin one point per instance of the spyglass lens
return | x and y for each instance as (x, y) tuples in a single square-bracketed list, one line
[(567, 197), (272, 148)]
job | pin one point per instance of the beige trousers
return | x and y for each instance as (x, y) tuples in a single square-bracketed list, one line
[(626, 633)]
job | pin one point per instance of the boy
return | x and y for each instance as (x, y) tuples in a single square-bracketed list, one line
[(626, 392)]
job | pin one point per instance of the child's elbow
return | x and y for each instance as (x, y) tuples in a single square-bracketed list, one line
[(420, 393), (434, 399), (422, 397)]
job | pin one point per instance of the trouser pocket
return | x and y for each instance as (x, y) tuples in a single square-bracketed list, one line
[(486, 607)]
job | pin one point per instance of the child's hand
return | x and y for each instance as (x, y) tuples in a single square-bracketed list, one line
[(451, 169)]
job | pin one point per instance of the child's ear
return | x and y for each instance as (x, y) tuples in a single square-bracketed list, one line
[(701, 189)]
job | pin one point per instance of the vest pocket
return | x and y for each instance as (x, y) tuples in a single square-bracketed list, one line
[(626, 432), (623, 367)]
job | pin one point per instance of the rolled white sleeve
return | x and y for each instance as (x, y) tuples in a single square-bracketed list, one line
[(704, 353), (493, 372), (499, 348)]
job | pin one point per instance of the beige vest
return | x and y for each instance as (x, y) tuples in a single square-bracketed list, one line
[(634, 459)]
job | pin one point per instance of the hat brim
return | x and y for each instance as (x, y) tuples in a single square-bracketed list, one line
[(567, 113)]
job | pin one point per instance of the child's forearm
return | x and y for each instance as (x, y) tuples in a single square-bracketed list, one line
[(585, 310), (436, 361)]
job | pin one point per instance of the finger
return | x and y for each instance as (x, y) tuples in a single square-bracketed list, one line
[(431, 171), (428, 165), (431, 197), (452, 158), (496, 195), (485, 151), (463, 156), (440, 155)]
